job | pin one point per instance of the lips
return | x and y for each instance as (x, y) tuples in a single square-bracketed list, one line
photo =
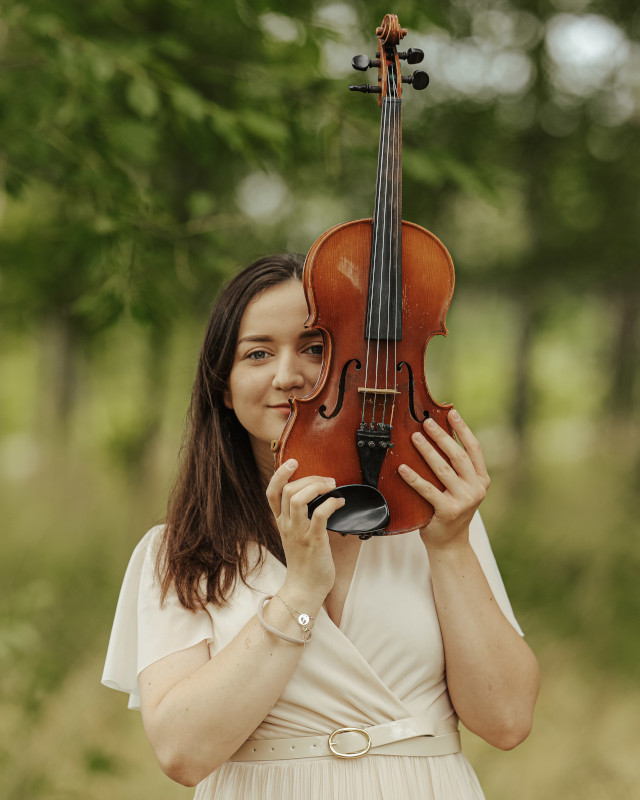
[(283, 407)]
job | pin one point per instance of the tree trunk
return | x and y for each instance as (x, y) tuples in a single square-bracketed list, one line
[(625, 358), (522, 385), (59, 375), (141, 460)]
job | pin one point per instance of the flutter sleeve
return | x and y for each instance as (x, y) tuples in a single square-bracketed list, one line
[(144, 630), (482, 548)]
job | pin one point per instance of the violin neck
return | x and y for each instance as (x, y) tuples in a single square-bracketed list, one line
[(384, 320)]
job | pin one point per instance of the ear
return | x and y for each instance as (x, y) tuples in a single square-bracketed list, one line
[(227, 399)]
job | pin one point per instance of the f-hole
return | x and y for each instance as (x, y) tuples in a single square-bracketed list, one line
[(412, 409), (340, 400)]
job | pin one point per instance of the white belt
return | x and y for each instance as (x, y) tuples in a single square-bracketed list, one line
[(406, 737)]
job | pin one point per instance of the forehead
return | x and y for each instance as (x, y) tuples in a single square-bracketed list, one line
[(279, 307)]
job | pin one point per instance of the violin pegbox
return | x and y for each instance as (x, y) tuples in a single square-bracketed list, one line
[(387, 61)]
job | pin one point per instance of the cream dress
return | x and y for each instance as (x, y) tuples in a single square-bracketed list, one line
[(384, 662)]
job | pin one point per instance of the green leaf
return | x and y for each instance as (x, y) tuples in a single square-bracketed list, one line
[(102, 67), (188, 102), (264, 126), (46, 24), (422, 167), (135, 141), (142, 97), (225, 124)]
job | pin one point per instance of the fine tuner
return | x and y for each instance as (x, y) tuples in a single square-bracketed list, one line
[(419, 79)]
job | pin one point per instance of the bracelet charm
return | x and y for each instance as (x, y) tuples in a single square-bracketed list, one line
[(304, 620)]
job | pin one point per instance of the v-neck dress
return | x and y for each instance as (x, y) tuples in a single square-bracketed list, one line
[(384, 662)]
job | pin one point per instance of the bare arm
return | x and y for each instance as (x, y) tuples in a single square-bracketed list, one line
[(492, 675), (197, 711)]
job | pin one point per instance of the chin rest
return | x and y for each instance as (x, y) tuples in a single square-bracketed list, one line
[(364, 513)]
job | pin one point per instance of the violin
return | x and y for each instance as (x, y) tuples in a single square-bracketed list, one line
[(379, 290)]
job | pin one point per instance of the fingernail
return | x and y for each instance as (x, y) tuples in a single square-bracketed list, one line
[(455, 416), (418, 437), (431, 423), (330, 481), (403, 469), (291, 463)]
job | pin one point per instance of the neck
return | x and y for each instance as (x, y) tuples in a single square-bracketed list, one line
[(264, 459), (385, 276)]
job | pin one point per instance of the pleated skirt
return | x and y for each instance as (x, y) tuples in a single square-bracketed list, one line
[(370, 778)]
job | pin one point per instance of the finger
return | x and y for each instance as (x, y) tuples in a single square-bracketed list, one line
[(471, 445), (323, 512), (278, 481), (425, 489), (457, 456), (448, 506), (299, 501), (293, 487), (439, 465)]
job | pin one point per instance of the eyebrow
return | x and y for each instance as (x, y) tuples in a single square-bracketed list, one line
[(309, 333)]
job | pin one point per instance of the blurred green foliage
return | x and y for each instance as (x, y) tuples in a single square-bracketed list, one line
[(149, 148)]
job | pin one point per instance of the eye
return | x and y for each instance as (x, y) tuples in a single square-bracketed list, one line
[(257, 355), (315, 350)]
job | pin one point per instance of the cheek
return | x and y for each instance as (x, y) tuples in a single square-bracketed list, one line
[(231, 392), (242, 390)]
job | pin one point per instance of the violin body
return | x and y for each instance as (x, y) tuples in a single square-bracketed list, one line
[(336, 281), (379, 290)]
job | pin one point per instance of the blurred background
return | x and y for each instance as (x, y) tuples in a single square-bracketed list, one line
[(148, 149)]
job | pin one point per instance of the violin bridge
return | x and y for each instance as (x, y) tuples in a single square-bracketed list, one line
[(364, 390)]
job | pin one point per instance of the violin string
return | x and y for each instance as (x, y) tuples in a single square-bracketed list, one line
[(374, 260), (398, 253), (374, 244), (386, 252), (378, 257), (391, 293), (394, 94)]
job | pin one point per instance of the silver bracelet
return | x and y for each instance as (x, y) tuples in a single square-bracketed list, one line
[(304, 620), (275, 631)]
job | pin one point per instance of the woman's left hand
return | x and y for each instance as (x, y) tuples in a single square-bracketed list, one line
[(464, 477)]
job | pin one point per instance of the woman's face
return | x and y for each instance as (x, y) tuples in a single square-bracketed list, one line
[(276, 357)]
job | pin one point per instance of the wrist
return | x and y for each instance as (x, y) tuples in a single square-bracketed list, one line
[(301, 598), (450, 549)]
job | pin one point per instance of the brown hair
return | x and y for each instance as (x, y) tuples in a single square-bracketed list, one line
[(217, 507)]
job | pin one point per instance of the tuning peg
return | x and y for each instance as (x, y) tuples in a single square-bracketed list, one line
[(363, 63), (412, 56), (419, 79), (366, 88), (360, 62)]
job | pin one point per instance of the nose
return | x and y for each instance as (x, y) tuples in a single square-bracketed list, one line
[(289, 374)]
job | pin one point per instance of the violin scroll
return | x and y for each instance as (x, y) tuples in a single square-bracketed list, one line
[(390, 32), (387, 61)]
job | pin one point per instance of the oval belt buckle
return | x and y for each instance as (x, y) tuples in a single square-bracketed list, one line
[(357, 754)]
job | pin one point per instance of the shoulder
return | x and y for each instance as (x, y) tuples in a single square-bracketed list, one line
[(141, 567), (151, 542), (146, 628)]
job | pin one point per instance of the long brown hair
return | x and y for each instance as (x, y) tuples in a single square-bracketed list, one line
[(218, 506)]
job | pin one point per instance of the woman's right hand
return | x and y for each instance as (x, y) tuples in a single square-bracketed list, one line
[(198, 710), (310, 566)]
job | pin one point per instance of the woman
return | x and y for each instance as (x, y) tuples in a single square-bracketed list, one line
[(219, 642)]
